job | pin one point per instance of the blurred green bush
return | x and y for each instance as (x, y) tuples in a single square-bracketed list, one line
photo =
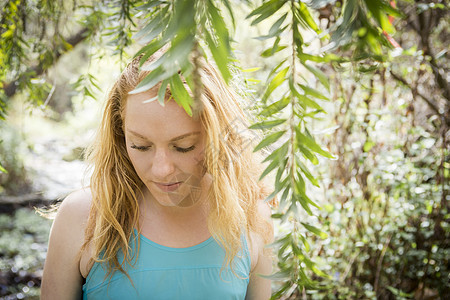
[(23, 247)]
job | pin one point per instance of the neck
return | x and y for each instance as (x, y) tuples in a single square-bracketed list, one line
[(151, 208)]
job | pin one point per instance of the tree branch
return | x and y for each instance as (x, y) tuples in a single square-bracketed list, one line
[(423, 31), (380, 264), (11, 87), (430, 103)]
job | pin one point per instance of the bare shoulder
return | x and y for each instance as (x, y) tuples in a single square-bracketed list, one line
[(62, 278), (78, 202), (261, 259), (73, 214), (264, 210), (259, 239)]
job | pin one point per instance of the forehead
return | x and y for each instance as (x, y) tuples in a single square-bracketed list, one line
[(155, 121)]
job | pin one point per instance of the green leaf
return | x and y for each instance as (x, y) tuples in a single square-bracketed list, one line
[(148, 51), (275, 107), (329, 57), (300, 199), (273, 50), (319, 75), (305, 242), (281, 241), (399, 293), (274, 70), (309, 102), (154, 27), (315, 230), (282, 291), (296, 249), (368, 145), (298, 39), (150, 4), (250, 70), (168, 64), (281, 275), (307, 173), (308, 154), (279, 153), (276, 29), (277, 80), (276, 26), (150, 100), (2, 169), (374, 42), (317, 4), (303, 100), (270, 167), (177, 57), (377, 8), (180, 94), (182, 20), (280, 184), (267, 124), (149, 81), (223, 41), (219, 25), (311, 144), (300, 183), (266, 10), (270, 139), (88, 93), (306, 18), (305, 202), (230, 11), (305, 57), (313, 92), (283, 197), (162, 91), (220, 55), (275, 34)]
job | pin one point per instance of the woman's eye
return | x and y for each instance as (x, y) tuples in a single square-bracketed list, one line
[(140, 148), (184, 150)]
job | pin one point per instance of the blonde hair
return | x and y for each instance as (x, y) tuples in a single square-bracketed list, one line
[(235, 169)]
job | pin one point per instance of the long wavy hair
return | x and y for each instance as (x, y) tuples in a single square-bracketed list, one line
[(229, 158)]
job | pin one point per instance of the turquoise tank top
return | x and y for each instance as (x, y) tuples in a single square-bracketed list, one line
[(163, 272)]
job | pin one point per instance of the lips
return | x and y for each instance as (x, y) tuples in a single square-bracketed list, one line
[(168, 187)]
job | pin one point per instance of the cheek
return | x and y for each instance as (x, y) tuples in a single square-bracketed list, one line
[(198, 159), (139, 162)]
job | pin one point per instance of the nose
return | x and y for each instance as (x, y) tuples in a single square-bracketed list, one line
[(162, 166)]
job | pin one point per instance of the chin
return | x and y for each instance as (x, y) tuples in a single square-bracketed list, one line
[(175, 199), (167, 199)]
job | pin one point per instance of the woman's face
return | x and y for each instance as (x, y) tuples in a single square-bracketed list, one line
[(166, 147)]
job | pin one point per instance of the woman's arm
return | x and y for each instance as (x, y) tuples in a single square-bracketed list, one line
[(260, 287), (62, 278)]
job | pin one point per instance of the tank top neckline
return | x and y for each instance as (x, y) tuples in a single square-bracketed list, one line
[(173, 249)]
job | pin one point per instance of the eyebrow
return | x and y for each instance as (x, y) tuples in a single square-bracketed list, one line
[(172, 140)]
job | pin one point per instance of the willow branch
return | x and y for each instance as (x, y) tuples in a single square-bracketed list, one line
[(11, 88)]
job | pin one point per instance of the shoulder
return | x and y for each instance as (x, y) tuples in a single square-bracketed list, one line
[(62, 276), (264, 210), (72, 218), (73, 213), (263, 235), (261, 258), (76, 206)]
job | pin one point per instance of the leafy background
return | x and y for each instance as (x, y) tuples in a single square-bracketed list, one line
[(351, 99)]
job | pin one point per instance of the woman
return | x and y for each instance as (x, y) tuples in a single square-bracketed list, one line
[(174, 209)]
